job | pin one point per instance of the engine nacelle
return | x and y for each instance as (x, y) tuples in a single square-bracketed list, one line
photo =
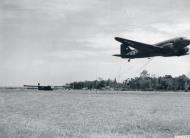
[(124, 49), (132, 53)]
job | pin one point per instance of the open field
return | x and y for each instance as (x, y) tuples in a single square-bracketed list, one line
[(85, 114)]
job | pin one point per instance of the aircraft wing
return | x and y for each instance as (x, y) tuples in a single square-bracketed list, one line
[(138, 45), (33, 86)]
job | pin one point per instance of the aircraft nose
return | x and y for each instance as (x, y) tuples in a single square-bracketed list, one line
[(188, 41)]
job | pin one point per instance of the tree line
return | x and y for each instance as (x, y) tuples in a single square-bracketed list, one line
[(145, 82)]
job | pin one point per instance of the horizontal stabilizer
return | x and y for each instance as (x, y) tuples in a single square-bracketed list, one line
[(117, 55)]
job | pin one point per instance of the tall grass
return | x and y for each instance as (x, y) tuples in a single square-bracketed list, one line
[(31, 114)]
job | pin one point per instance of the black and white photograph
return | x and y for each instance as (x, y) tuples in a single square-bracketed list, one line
[(94, 69)]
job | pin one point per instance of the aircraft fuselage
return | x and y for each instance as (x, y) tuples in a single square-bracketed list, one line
[(172, 47)]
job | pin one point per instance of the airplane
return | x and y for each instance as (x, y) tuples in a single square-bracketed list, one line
[(39, 87), (173, 47), (45, 88)]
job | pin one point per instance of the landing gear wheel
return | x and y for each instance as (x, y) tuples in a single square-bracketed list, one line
[(129, 60)]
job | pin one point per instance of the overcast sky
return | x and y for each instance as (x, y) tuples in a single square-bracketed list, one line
[(59, 41)]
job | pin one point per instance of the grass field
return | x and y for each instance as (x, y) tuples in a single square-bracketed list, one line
[(85, 114)]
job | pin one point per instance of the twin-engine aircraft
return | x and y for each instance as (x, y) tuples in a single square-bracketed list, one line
[(132, 49)]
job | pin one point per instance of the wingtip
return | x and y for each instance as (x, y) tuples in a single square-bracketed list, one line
[(119, 39), (116, 38)]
